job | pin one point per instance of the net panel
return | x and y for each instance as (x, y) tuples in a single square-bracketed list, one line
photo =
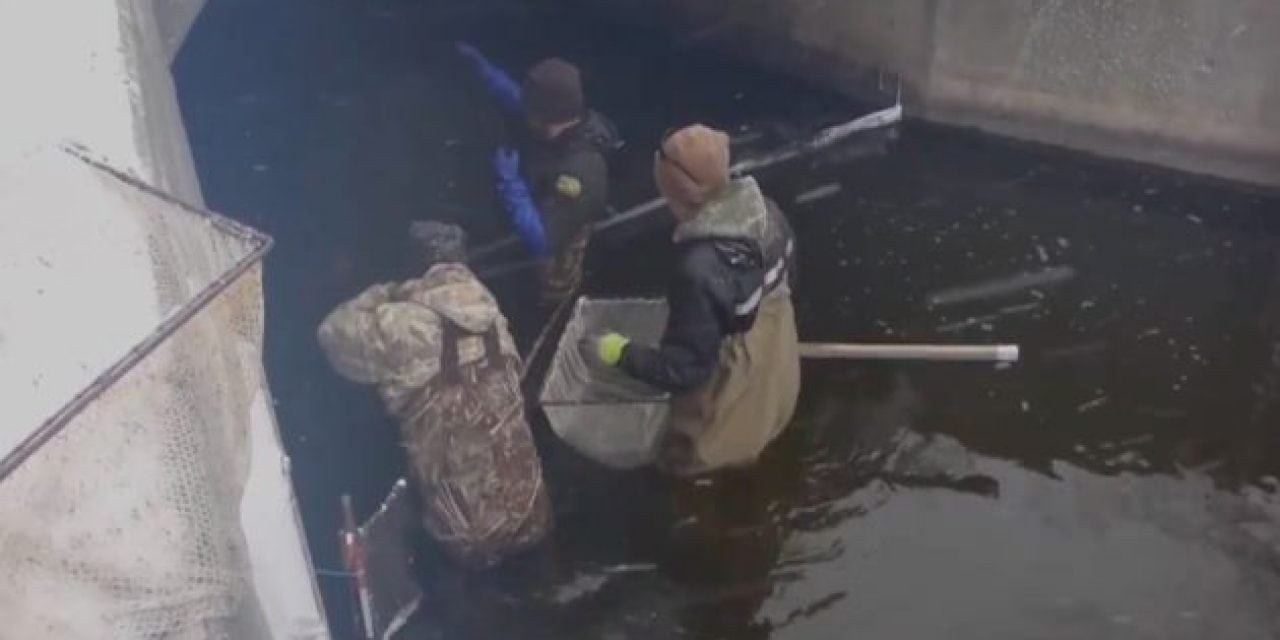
[(600, 411), (122, 519)]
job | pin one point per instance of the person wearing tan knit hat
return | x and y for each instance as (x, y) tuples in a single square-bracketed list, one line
[(690, 167), (729, 355)]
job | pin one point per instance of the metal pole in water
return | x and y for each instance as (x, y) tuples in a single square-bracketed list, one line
[(353, 558)]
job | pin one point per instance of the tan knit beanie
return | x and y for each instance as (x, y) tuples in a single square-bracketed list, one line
[(692, 167)]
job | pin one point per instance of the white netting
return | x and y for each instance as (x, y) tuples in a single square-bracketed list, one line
[(126, 523), (600, 411)]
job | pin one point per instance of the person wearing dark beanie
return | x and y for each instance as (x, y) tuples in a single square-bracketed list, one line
[(554, 180), (552, 94)]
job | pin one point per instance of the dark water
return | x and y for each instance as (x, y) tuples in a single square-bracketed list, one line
[(1121, 481)]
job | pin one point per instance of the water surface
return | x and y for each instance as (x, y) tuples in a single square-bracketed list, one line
[(1120, 481)]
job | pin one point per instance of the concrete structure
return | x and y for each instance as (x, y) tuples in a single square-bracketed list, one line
[(1190, 84), (89, 277)]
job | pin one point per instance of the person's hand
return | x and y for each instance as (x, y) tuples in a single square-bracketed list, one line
[(498, 82), (506, 163), (468, 51), (604, 349)]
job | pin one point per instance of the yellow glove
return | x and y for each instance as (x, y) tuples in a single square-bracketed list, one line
[(609, 348)]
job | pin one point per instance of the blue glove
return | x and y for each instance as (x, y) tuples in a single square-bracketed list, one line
[(506, 163), (518, 201), (500, 85)]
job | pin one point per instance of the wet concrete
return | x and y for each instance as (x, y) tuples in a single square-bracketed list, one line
[(1121, 481)]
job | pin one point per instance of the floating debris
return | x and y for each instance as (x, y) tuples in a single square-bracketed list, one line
[(1017, 309), (1195, 219), (1044, 255), (1091, 405), (965, 324), (1001, 287), (641, 567), (819, 193), (581, 586), (1143, 439), (688, 521), (1075, 351), (746, 138)]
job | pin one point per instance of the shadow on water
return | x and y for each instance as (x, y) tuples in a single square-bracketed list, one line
[(1119, 482)]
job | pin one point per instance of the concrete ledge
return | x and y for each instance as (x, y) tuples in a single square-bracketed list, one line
[(1233, 153), (1188, 84)]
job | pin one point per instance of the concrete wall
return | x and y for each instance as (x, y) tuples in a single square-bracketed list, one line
[(1191, 84), (84, 280)]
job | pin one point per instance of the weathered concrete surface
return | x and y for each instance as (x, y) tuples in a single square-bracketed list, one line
[(86, 279), (1191, 84)]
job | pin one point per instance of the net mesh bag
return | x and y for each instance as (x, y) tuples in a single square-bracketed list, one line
[(600, 411), (119, 518)]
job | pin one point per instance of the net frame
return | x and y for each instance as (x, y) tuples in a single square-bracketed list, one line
[(259, 244), (79, 520), (599, 411)]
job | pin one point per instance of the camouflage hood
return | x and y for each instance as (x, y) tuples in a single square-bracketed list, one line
[(739, 213), (391, 335), (454, 293)]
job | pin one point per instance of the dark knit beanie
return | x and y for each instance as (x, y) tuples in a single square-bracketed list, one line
[(438, 242), (553, 91)]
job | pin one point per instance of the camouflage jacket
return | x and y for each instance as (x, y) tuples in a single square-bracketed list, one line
[(391, 335)]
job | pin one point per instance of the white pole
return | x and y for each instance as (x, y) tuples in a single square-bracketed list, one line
[(952, 352)]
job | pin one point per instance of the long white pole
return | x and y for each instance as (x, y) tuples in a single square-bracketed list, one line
[(946, 352)]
